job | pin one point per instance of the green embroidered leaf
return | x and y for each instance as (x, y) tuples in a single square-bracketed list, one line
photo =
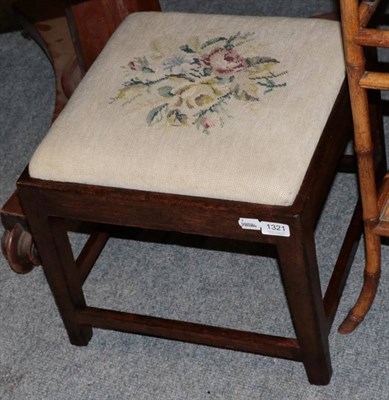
[(251, 61), (213, 41), (132, 82), (270, 85), (246, 92), (229, 43), (224, 81), (207, 71), (166, 91), (187, 49), (155, 115), (247, 97), (177, 118), (148, 70), (195, 61)]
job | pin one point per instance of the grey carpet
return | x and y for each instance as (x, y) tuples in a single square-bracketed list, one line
[(210, 286)]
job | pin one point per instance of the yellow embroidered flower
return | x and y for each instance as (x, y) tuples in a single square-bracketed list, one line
[(197, 95)]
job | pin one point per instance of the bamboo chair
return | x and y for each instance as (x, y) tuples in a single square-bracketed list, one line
[(43, 209), (355, 19)]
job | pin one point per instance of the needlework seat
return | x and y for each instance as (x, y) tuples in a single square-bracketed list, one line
[(216, 112)]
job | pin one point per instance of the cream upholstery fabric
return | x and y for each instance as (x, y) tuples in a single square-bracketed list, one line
[(206, 105)]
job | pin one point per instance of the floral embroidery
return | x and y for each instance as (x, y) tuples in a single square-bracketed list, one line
[(198, 83)]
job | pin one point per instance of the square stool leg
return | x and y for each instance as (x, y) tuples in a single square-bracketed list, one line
[(59, 266), (299, 270)]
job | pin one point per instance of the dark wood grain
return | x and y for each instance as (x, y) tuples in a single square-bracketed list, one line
[(190, 332), (93, 22), (90, 253), (300, 275), (343, 264), (46, 23), (12, 213)]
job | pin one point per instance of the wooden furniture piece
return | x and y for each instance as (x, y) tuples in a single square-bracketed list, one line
[(73, 36), (47, 24), (375, 196), (39, 215)]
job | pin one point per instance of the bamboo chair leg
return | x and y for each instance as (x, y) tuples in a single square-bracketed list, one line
[(370, 284), (368, 135)]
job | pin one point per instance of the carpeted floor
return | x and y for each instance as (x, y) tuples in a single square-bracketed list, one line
[(210, 286)]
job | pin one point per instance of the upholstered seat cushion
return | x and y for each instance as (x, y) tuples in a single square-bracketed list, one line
[(216, 106)]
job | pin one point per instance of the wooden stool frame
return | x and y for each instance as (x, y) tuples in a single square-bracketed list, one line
[(49, 204), (49, 210)]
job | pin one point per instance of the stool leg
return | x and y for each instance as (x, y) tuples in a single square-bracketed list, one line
[(299, 270), (65, 276), (58, 264)]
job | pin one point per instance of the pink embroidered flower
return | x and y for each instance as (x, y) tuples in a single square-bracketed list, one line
[(135, 65), (140, 64), (207, 122), (224, 61)]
